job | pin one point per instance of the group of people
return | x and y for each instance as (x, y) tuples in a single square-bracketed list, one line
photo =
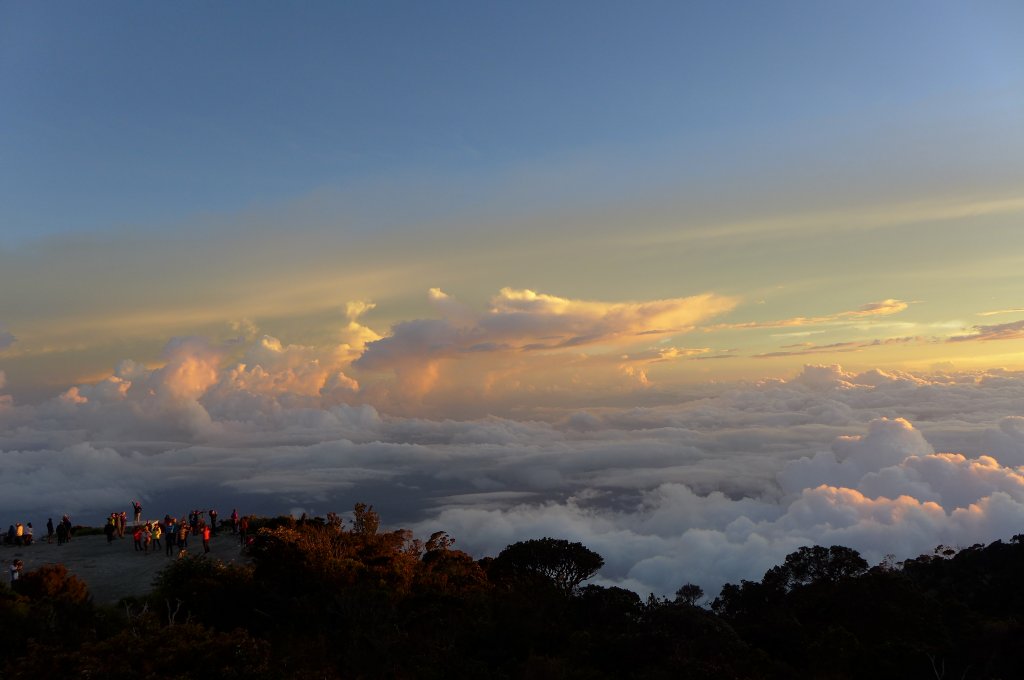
[(24, 534), (19, 534), (170, 534)]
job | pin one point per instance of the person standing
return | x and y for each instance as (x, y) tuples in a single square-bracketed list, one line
[(171, 533), (49, 530), (213, 521), (19, 534), (29, 535), (206, 538), (234, 521), (182, 537), (137, 509), (15, 572), (157, 533)]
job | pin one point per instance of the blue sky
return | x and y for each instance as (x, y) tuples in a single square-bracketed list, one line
[(146, 115)]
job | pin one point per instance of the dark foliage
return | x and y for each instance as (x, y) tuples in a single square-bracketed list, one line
[(322, 599), (563, 564), (946, 615)]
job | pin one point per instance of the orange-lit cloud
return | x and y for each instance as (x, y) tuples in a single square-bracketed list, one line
[(872, 309), (663, 354), (802, 349), (995, 312), (522, 322), (355, 336), (192, 367), (878, 216), (1003, 331), (549, 321), (272, 368)]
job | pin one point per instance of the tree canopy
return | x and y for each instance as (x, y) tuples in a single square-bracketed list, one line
[(566, 565)]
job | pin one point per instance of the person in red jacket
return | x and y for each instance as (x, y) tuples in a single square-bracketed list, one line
[(206, 538)]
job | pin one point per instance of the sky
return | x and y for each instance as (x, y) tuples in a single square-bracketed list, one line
[(678, 280)]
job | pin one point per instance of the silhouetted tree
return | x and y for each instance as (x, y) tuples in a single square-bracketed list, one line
[(816, 564), (689, 594), (564, 564)]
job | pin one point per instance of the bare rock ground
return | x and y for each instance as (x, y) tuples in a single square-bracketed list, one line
[(114, 570)]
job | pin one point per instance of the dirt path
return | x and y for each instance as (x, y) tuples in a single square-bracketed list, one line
[(116, 570)]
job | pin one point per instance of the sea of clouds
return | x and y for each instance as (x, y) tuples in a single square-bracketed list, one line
[(713, 484)]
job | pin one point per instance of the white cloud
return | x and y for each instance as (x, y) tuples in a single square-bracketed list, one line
[(1006, 442), (716, 484)]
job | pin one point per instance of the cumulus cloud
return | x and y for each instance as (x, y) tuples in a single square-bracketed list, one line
[(547, 321), (355, 336), (523, 320), (887, 493), (888, 442), (1006, 443), (521, 331)]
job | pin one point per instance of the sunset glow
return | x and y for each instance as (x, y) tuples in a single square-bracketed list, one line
[(693, 284)]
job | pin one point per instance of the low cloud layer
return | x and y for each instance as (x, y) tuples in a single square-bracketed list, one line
[(715, 483)]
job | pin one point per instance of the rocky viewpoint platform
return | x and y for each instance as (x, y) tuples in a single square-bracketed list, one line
[(114, 570)]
